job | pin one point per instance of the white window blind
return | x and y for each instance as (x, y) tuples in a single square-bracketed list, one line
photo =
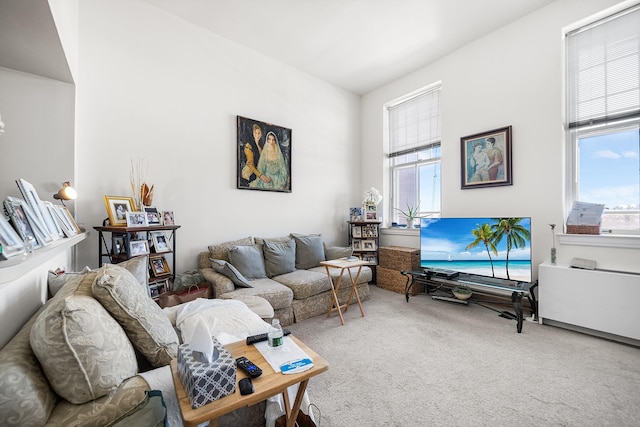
[(603, 66), (414, 124)]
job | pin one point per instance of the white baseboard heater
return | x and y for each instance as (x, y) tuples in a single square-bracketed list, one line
[(596, 300)]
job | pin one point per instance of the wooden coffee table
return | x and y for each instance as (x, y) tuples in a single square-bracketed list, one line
[(268, 384), (343, 264)]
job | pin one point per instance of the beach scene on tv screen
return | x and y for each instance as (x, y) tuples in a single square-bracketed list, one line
[(491, 247)]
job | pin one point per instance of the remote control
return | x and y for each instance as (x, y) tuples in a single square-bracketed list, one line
[(249, 367), (263, 337)]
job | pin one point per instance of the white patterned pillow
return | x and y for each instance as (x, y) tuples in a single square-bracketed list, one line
[(83, 351), (148, 328)]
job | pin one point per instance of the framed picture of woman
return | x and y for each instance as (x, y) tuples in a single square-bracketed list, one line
[(486, 159), (264, 156)]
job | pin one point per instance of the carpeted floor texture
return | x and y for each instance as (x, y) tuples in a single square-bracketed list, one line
[(433, 363)]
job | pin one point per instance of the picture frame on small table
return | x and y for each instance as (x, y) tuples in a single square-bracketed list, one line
[(117, 208)]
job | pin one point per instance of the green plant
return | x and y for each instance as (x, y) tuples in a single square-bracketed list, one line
[(410, 213)]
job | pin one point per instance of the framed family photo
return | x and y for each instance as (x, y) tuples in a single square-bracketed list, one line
[(11, 242), (117, 208), (159, 266), (486, 159), (264, 156), (138, 247), (160, 241), (136, 219)]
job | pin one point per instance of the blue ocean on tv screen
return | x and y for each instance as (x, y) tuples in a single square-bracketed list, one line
[(457, 244)]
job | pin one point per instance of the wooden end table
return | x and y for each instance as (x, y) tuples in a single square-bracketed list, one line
[(266, 385), (343, 264)]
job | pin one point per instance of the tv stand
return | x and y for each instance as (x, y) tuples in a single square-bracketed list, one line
[(434, 282)]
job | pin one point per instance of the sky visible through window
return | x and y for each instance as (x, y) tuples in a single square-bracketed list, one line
[(610, 170)]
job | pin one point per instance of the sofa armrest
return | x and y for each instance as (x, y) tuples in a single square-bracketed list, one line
[(219, 283)]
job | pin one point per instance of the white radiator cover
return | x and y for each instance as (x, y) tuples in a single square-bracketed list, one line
[(602, 301)]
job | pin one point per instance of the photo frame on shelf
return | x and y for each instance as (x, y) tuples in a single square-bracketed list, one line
[(162, 286), (255, 142), (356, 231), (168, 218), (368, 245), (117, 208), (356, 214), (153, 216), (51, 208), (160, 241), (118, 245), (159, 266), (138, 247), (371, 216), (25, 222), (153, 291), (136, 219), (69, 216), (372, 259), (30, 195), (486, 159), (356, 245), (370, 231), (68, 225), (11, 242)]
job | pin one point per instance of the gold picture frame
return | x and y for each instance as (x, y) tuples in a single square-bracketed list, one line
[(117, 208)]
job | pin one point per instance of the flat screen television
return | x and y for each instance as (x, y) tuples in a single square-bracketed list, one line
[(497, 248)]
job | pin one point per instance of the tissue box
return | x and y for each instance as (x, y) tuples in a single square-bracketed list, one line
[(206, 382)]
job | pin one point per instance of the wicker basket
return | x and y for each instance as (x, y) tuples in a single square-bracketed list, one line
[(399, 258), (583, 229), (395, 281)]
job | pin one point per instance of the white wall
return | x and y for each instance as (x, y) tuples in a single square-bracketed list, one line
[(153, 86), (510, 77)]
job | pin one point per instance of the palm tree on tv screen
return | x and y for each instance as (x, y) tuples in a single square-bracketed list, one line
[(484, 235), (516, 235)]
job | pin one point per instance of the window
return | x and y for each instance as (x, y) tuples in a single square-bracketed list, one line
[(603, 118), (414, 153)]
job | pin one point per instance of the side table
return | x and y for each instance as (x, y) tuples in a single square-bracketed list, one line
[(268, 384), (343, 264)]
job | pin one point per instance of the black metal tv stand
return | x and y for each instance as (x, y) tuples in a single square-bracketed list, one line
[(433, 282)]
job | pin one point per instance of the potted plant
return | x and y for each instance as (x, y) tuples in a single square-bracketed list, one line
[(462, 292), (411, 214)]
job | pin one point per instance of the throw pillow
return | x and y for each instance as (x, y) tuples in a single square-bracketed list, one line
[(56, 281), (249, 261), (221, 251), (309, 250), (336, 252), (139, 267), (228, 270), (279, 257), (148, 328), (83, 351)]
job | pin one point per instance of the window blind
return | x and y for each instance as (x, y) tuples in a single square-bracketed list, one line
[(414, 124), (603, 66)]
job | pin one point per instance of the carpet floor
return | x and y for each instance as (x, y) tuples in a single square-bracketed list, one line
[(434, 363)]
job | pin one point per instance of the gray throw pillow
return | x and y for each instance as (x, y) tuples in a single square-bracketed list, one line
[(336, 252), (279, 257), (248, 261), (228, 270), (309, 250)]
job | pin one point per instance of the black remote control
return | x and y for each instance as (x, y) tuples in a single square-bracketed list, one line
[(249, 367), (263, 337)]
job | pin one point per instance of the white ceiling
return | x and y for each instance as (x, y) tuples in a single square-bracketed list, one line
[(357, 45)]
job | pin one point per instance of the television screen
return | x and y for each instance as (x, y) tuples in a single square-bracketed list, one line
[(490, 247)]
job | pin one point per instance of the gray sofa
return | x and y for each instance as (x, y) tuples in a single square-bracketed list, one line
[(285, 271)]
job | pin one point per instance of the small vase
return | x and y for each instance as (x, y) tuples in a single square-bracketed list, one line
[(409, 223), (553, 256)]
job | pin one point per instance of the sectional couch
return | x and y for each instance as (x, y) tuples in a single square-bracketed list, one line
[(284, 270)]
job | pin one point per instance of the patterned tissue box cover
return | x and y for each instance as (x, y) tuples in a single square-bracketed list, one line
[(206, 382)]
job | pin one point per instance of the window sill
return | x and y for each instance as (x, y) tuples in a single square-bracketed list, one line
[(400, 231), (600, 240)]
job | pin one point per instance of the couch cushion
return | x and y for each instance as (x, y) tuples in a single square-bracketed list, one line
[(104, 410), (148, 328), (228, 270), (248, 260), (278, 295), (258, 305), (309, 250), (83, 351), (25, 396), (305, 283), (221, 250), (279, 257)]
